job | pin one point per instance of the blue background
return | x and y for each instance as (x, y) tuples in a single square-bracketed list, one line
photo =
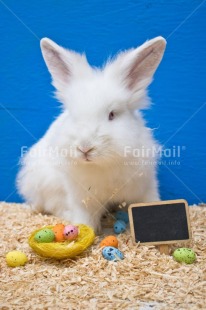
[(101, 28)]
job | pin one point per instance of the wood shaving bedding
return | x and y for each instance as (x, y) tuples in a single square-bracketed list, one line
[(145, 279)]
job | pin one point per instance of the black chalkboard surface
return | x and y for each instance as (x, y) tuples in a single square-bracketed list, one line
[(161, 222)]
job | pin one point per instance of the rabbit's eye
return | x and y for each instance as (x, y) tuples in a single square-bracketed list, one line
[(111, 116)]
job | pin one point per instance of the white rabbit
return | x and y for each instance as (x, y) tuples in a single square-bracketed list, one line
[(92, 156)]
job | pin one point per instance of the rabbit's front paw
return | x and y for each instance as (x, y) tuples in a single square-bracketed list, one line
[(97, 228)]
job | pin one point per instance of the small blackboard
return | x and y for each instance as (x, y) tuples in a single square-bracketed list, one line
[(161, 222)]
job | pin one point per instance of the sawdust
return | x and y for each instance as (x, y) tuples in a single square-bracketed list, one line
[(145, 279)]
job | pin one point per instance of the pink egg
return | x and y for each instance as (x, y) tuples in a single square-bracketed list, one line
[(70, 232)]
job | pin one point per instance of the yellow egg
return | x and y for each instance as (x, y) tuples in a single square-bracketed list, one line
[(16, 259)]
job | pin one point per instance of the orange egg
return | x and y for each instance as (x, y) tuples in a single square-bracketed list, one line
[(109, 241), (58, 230)]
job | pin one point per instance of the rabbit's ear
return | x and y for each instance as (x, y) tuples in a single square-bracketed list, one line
[(62, 63), (136, 67)]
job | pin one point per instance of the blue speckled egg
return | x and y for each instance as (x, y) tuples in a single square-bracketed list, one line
[(119, 227), (123, 216), (111, 253)]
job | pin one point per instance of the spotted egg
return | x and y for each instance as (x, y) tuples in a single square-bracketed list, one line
[(111, 253), (123, 216), (45, 235), (16, 259), (71, 232), (58, 230), (119, 227), (184, 255), (109, 241)]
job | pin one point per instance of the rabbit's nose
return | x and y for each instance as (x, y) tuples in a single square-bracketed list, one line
[(85, 149)]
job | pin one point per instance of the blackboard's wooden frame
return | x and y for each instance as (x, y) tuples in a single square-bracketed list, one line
[(137, 205)]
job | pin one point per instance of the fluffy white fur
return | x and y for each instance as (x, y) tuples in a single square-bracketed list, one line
[(86, 161)]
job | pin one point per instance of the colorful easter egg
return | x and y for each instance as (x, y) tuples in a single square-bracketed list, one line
[(123, 216), (71, 232), (184, 255), (111, 253), (44, 235), (119, 227), (109, 241), (16, 259), (58, 230)]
